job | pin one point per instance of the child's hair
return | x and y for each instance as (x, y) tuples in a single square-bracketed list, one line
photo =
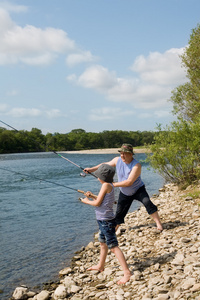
[(105, 172)]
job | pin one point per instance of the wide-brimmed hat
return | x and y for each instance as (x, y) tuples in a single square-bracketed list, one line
[(105, 172), (126, 148)]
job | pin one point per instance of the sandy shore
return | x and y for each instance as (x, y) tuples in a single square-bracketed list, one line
[(105, 151)]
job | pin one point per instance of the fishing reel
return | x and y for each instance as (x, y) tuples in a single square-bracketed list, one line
[(82, 174)]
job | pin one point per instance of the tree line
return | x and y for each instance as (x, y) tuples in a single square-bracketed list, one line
[(12, 141)]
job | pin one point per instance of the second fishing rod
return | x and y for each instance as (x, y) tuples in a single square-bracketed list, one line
[(45, 180), (46, 148)]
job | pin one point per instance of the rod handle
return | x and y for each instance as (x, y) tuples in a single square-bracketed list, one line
[(92, 195)]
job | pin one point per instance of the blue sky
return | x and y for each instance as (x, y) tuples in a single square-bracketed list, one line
[(92, 64)]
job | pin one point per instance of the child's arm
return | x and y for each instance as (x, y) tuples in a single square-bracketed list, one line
[(105, 188)]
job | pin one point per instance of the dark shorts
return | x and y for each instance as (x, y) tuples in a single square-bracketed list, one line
[(124, 203), (107, 233)]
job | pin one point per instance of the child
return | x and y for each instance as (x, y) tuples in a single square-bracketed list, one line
[(106, 220)]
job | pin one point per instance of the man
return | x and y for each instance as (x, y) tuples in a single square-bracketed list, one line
[(130, 184)]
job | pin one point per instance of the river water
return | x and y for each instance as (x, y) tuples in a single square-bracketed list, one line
[(42, 224)]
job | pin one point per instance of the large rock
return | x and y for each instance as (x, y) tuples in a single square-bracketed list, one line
[(20, 293), (60, 292)]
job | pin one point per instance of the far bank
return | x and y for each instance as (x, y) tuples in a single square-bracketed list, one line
[(105, 151)]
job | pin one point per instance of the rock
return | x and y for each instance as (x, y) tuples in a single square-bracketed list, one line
[(20, 293), (65, 271), (31, 294), (188, 283), (60, 292), (196, 287), (90, 246), (75, 289), (44, 295)]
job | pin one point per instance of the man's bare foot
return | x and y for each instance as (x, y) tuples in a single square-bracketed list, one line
[(125, 278), (95, 268)]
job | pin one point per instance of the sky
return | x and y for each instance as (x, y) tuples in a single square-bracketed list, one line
[(92, 64)]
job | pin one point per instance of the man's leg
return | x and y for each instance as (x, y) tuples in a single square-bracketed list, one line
[(142, 196), (123, 205)]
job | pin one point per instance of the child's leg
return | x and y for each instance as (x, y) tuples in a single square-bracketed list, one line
[(102, 259), (120, 256)]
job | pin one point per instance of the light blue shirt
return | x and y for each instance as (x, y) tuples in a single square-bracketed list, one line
[(123, 172)]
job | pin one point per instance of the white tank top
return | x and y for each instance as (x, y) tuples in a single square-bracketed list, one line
[(105, 210)]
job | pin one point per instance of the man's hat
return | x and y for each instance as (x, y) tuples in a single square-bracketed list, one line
[(126, 148), (105, 172)]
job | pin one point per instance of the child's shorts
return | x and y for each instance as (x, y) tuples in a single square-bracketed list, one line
[(107, 233)]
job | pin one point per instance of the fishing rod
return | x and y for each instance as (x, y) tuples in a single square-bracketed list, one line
[(48, 181), (74, 164), (82, 174), (38, 144)]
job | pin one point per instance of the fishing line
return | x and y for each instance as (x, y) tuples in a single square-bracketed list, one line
[(45, 180), (81, 174)]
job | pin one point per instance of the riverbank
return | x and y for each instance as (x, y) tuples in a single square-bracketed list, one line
[(105, 151), (164, 265)]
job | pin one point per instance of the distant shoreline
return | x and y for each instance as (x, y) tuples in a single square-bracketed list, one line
[(105, 151)]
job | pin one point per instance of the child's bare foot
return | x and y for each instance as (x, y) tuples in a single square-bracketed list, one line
[(125, 278), (117, 226), (160, 228), (95, 268)]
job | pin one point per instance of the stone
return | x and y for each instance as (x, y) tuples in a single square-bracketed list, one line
[(65, 271), (44, 295), (60, 292), (20, 293), (75, 289)]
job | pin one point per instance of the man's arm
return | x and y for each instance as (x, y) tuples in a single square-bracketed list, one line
[(112, 163)]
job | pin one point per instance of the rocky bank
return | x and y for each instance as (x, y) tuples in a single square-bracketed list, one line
[(164, 265)]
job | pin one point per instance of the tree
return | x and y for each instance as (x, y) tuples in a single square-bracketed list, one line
[(176, 153), (186, 98), (175, 150)]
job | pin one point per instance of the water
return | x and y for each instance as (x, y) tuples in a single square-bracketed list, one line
[(43, 224)]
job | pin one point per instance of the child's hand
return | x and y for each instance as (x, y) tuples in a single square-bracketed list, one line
[(81, 199), (84, 200), (88, 194)]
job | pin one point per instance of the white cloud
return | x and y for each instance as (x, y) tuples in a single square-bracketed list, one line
[(82, 57), (3, 107), (19, 112), (44, 59), (151, 87), (12, 7), (162, 113), (35, 46), (24, 112), (161, 68), (108, 113), (98, 77), (53, 113), (30, 44)]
